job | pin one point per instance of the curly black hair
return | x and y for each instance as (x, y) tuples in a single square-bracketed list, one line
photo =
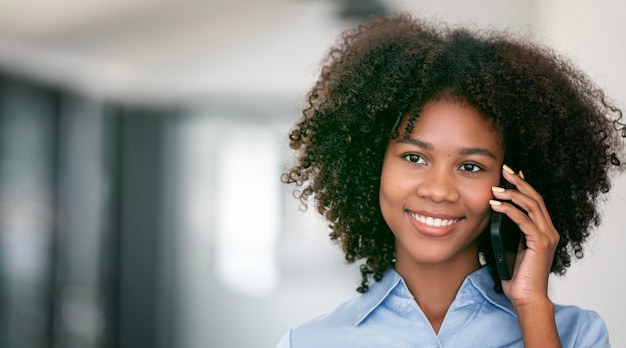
[(556, 125)]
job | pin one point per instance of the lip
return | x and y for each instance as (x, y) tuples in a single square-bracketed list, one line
[(437, 225)]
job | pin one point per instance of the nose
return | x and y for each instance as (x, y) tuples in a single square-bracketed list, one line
[(438, 186)]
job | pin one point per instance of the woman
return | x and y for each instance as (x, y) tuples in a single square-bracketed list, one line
[(402, 148)]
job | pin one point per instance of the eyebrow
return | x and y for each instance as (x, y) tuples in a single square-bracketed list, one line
[(464, 151), (416, 142)]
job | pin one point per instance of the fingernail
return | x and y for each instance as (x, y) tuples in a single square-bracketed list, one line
[(521, 174), (494, 202), (497, 189), (508, 169)]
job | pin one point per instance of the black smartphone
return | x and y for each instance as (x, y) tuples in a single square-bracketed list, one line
[(505, 239)]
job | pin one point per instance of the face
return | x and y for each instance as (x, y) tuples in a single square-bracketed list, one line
[(435, 186)]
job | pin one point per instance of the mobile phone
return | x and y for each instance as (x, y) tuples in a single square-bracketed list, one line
[(505, 239)]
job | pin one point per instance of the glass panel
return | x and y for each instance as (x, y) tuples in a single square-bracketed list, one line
[(251, 264), (26, 213), (247, 219), (80, 321)]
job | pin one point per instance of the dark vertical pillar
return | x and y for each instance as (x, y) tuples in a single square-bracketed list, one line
[(4, 339), (140, 227), (54, 286), (110, 243)]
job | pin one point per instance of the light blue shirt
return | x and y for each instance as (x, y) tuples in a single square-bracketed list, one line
[(388, 316)]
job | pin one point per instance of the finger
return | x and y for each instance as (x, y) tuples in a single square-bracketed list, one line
[(531, 209), (527, 198), (535, 230), (521, 184), (524, 187), (526, 225), (528, 205)]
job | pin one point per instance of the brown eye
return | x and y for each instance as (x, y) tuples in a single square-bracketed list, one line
[(414, 158), (470, 167)]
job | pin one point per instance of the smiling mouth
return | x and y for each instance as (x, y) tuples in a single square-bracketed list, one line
[(433, 222)]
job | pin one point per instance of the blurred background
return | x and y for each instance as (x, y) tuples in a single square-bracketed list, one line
[(141, 145)]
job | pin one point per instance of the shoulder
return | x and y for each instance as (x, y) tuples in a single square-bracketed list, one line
[(342, 315), (345, 324), (326, 329), (285, 342), (580, 327), (577, 327)]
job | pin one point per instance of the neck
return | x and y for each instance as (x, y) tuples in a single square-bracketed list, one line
[(434, 286)]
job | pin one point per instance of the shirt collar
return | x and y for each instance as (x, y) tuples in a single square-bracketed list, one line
[(482, 282), (479, 283), (377, 293)]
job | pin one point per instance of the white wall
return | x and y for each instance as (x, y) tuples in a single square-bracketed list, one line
[(592, 34)]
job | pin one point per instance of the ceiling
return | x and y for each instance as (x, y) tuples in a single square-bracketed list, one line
[(193, 49)]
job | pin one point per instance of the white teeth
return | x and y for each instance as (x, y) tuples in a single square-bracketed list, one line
[(433, 222)]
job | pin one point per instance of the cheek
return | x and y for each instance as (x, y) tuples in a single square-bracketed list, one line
[(477, 198), (391, 192), (393, 182), (387, 191)]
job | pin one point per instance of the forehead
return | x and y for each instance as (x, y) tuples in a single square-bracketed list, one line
[(455, 124)]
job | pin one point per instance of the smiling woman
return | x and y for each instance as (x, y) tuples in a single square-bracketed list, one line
[(435, 189), (434, 193), (402, 147)]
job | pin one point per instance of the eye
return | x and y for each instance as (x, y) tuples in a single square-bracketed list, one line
[(414, 158), (470, 167)]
